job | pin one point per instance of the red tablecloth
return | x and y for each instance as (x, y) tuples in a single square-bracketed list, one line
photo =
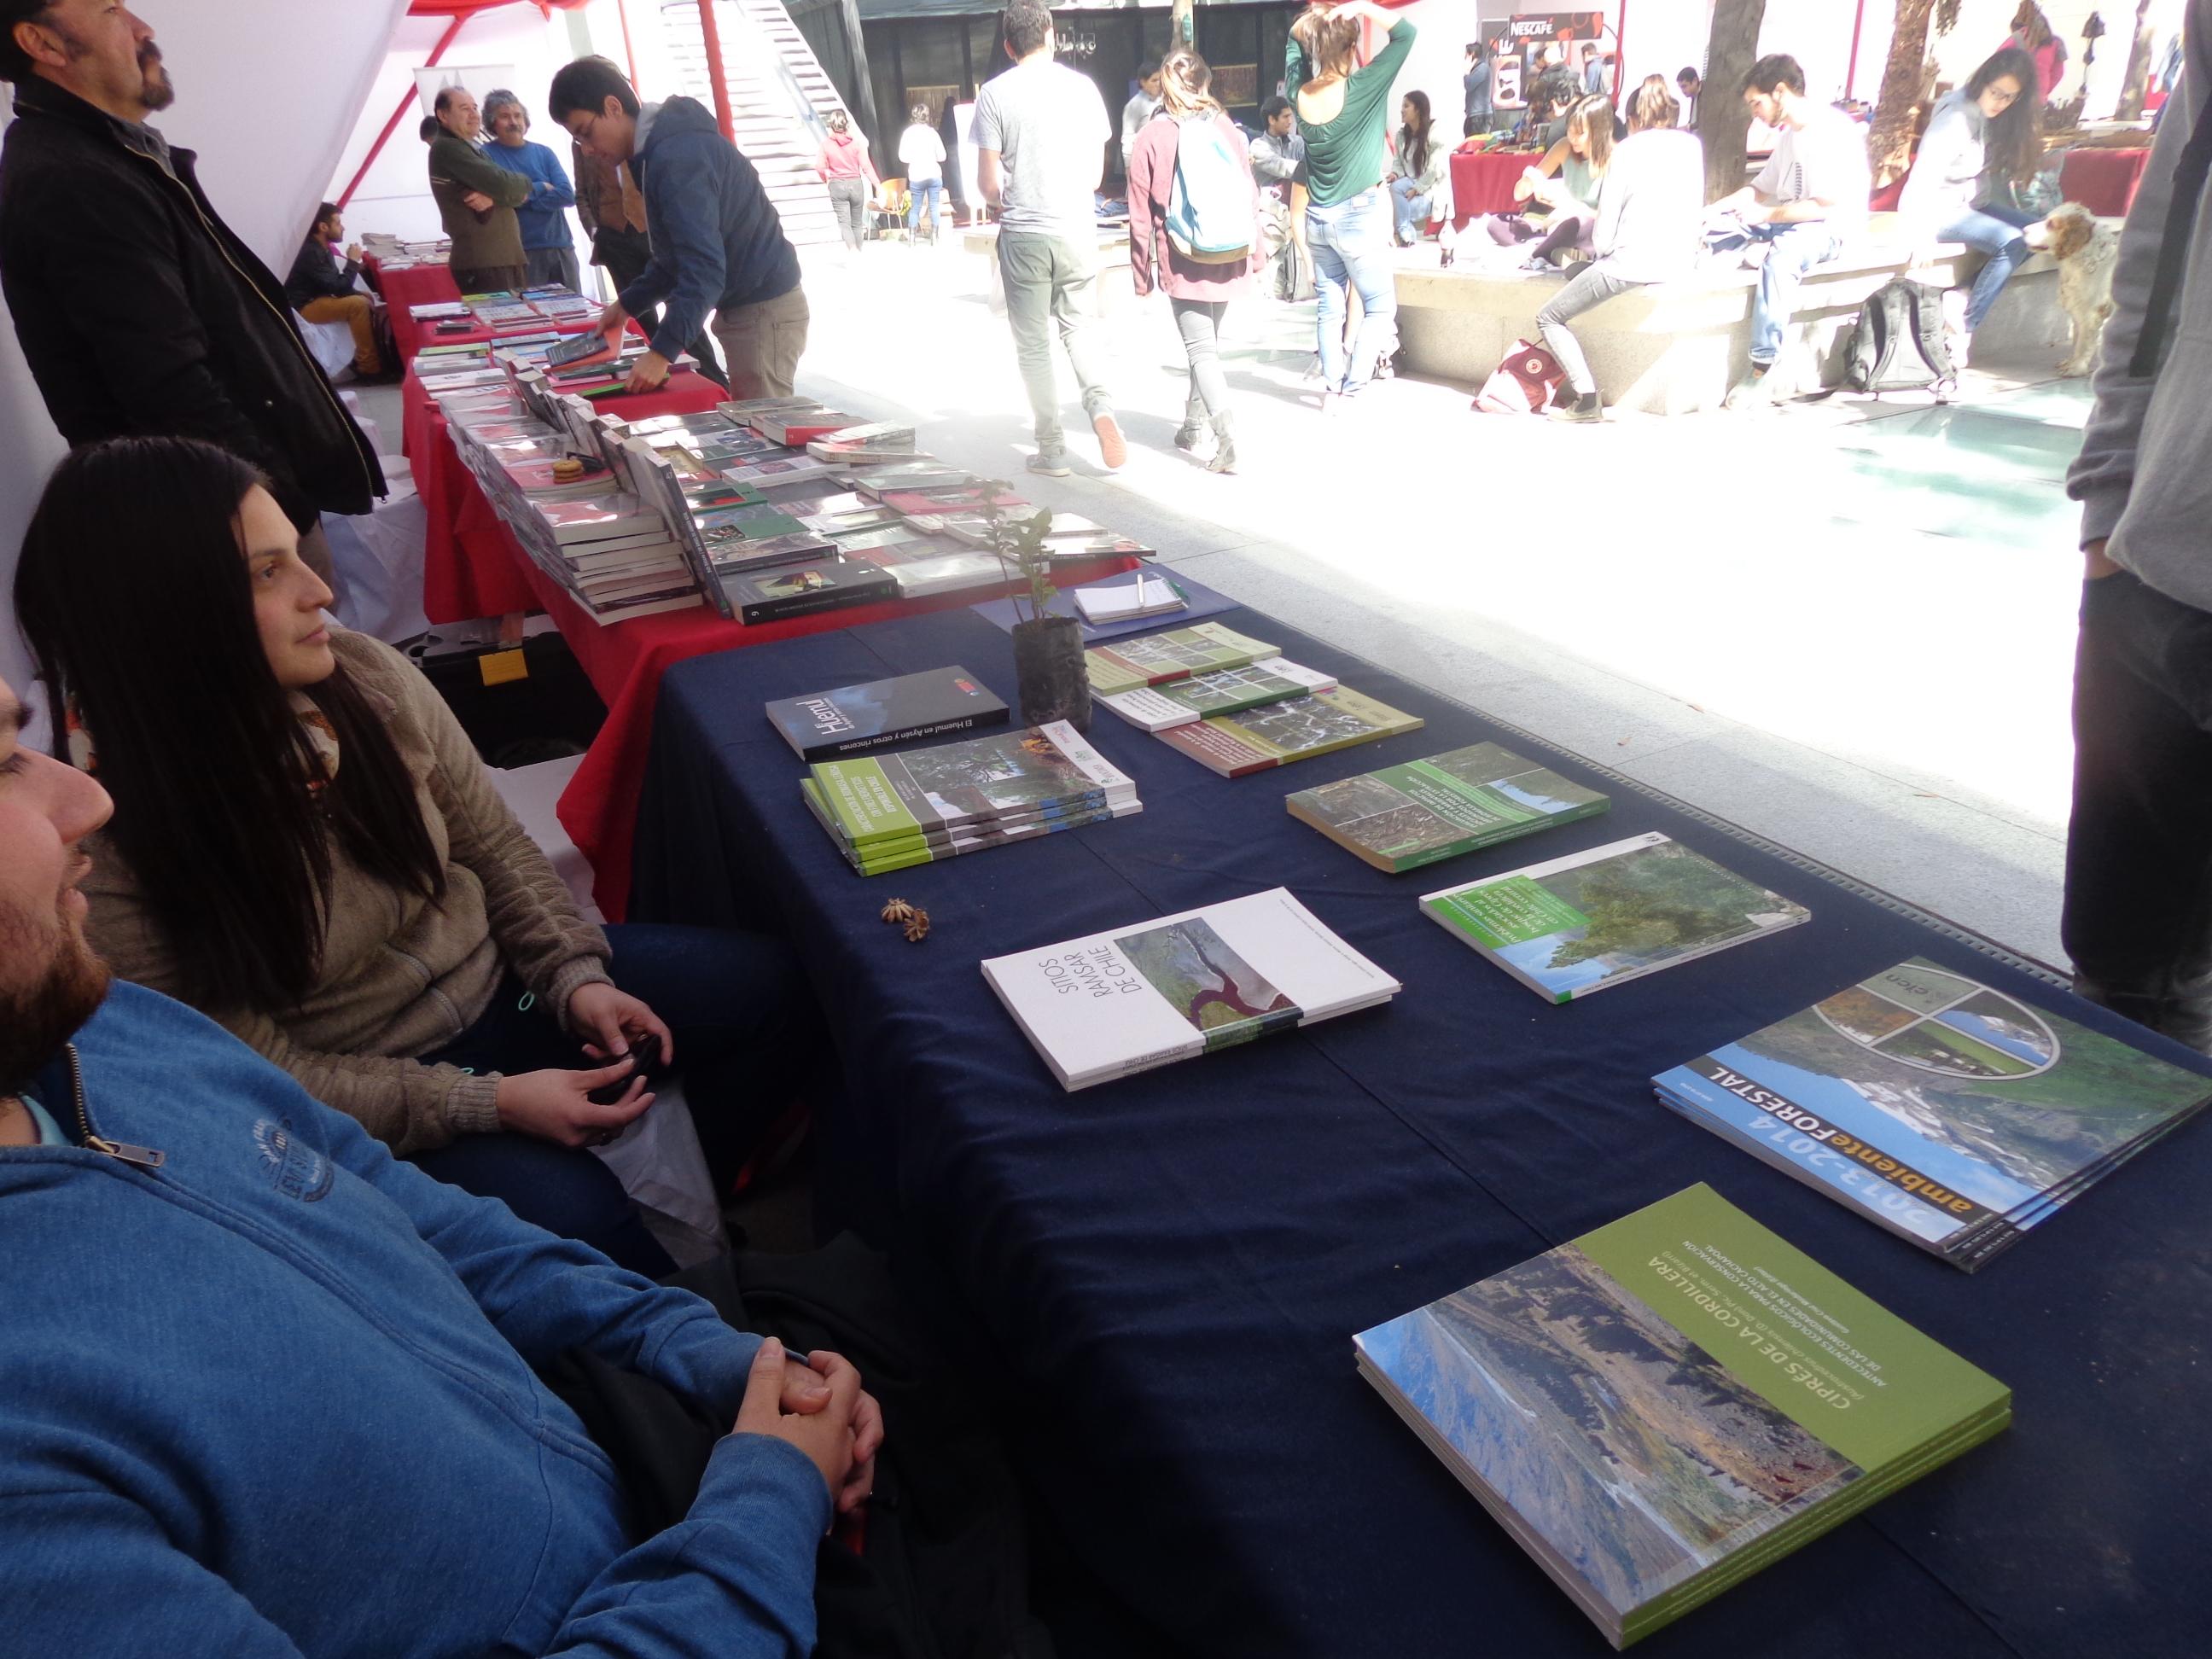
[(414, 285), (2104, 181), (1482, 181), (470, 564)]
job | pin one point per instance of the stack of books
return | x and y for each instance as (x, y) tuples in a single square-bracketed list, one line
[(1173, 987), (892, 811), (874, 443), (1662, 1408), (1946, 1111), (1437, 807)]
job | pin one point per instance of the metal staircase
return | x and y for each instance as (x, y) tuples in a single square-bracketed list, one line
[(779, 100)]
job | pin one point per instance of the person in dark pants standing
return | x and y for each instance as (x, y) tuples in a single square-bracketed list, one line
[(613, 213), (137, 309), (2137, 921)]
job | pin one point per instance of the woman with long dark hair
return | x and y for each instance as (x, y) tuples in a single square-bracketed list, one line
[(306, 847), (1983, 138), (1199, 291), (1420, 167)]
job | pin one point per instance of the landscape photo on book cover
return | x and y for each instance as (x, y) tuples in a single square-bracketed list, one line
[(1639, 908), (1628, 1448), (1972, 1088), (1300, 725), (1443, 798), (1202, 976), (993, 774)]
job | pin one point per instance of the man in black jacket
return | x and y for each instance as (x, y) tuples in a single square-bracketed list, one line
[(138, 311), (322, 290)]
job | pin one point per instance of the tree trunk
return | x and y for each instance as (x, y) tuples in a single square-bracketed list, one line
[(1183, 27), (1904, 83), (2135, 85), (1722, 121)]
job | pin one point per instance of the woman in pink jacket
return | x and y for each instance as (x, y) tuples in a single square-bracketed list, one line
[(1198, 289)]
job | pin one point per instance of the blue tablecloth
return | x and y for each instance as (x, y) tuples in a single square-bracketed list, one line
[(1172, 1266)]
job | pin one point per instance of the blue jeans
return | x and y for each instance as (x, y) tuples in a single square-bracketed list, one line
[(932, 188), (1352, 250), (1994, 230), (1792, 250), (1412, 210), (745, 1028)]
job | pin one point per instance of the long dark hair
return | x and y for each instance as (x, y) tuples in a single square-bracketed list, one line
[(2012, 146), (138, 607), (1413, 147)]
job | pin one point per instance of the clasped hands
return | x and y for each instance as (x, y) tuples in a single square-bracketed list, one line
[(816, 1404)]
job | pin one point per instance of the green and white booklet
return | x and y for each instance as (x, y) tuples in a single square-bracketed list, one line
[(890, 798), (1575, 925), (1441, 806), (1171, 987), (1659, 1408)]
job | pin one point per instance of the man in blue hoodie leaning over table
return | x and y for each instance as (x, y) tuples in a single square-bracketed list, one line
[(718, 242), (266, 1391)]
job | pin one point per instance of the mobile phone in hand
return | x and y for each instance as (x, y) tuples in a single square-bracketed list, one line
[(644, 1056)]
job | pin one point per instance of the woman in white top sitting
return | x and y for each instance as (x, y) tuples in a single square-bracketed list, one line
[(1567, 179), (1420, 169), (1650, 206), (1981, 137)]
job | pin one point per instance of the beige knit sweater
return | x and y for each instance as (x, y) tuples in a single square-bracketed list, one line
[(400, 975)]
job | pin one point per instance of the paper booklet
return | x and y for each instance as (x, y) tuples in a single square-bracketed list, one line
[(1948, 1112), (889, 796), (1227, 691), (1659, 1408), (1171, 988), (1293, 729), (1577, 924), (1402, 816)]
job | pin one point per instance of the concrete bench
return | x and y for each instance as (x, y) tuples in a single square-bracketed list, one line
[(1674, 348)]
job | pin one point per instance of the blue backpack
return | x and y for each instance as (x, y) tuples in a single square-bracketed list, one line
[(1210, 215)]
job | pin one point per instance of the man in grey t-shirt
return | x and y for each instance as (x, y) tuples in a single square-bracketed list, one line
[(1040, 132)]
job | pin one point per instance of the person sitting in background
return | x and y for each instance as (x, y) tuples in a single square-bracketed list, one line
[(1476, 83), (922, 152), (548, 251), (1648, 213), (306, 848), (1279, 161), (1566, 181), (321, 289), (717, 246), (1421, 170), (1138, 110), (246, 1319), (1990, 128), (844, 167), (477, 198), (1806, 201), (1199, 291), (1693, 87)]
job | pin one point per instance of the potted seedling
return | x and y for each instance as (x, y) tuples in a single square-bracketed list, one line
[(1048, 668)]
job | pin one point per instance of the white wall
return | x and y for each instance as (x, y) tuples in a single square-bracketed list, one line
[(266, 90)]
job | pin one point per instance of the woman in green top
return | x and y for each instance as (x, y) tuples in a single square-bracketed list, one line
[(1343, 109)]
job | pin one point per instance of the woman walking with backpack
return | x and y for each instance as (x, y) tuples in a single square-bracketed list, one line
[(1194, 233)]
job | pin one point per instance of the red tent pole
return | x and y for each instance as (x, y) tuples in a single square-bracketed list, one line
[(1620, 57), (377, 148), (1852, 76), (629, 51), (712, 36)]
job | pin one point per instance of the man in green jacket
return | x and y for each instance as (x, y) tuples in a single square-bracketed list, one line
[(477, 198)]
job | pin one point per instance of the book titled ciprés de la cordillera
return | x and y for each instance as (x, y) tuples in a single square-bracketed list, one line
[(1295, 729), (1947, 1111), (1660, 1408), (876, 712), (889, 798), (1171, 988), (1575, 925), (1441, 806)]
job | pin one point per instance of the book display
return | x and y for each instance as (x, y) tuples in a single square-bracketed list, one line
[(1951, 1114), (1576, 924), (1279, 733), (1155, 659), (1403, 817), (1173, 987), (851, 718), (1662, 1408), (1225, 691)]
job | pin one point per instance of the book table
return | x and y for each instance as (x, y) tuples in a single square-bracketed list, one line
[(1156, 1281)]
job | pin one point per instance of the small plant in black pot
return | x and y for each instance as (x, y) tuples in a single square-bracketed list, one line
[(1048, 670)]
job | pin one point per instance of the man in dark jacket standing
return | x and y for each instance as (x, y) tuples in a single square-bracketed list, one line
[(138, 311), (718, 244)]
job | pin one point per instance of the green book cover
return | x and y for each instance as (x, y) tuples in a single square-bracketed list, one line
[(1577, 924), (1234, 744), (1150, 658), (1661, 1405), (893, 796), (1402, 816)]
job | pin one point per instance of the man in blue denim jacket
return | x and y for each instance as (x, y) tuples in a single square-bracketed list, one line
[(718, 243), (266, 1391)]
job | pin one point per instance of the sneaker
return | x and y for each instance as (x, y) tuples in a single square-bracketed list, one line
[(1050, 463), (1753, 392), (1113, 448), (1585, 407)]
